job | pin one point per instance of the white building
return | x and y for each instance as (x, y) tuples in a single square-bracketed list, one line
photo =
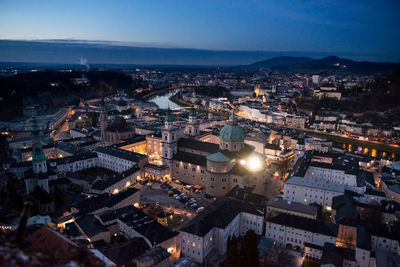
[(75, 163), (212, 231), (119, 160), (307, 191), (325, 172), (293, 231)]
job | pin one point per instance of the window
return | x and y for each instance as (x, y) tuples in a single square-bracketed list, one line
[(202, 171), (193, 169)]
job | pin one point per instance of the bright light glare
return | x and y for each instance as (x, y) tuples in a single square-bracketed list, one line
[(242, 161), (328, 208), (254, 164)]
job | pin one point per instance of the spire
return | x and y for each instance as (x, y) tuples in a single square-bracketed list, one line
[(168, 117), (37, 151), (35, 130), (232, 118), (192, 112)]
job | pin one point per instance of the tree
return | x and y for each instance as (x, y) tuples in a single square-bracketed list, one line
[(232, 255), (15, 199), (249, 250)]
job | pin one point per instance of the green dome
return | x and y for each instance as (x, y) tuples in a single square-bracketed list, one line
[(231, 133), (218, 157)]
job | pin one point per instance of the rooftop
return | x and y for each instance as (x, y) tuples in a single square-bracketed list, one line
[(305, 224)]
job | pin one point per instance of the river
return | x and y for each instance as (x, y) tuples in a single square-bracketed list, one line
[(162, 101), (366, 151)]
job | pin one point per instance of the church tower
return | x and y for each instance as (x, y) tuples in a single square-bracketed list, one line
[(103, 120), (39, 177), (169, 140), (39, 161), (192, 128)]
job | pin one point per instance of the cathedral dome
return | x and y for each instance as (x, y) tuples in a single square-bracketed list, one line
[(122, 103), (231, 131), (119, 124)]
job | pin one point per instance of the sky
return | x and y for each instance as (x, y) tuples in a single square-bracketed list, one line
[(364, 27)]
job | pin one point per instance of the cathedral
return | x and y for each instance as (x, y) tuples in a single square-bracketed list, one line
[(216, 167), (117, 130)]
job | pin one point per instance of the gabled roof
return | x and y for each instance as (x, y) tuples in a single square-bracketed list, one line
[(123, 253), (306, 224), (223, 211), (90, 225), (198, 145), (104, 184)]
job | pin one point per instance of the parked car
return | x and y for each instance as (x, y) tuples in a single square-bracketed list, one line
[(188, 187), (200, 209)]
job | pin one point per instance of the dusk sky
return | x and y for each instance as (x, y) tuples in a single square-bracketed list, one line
[(359, 27)]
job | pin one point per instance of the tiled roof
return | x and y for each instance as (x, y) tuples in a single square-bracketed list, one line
[(306, 224), (198, 145), (191, 158)]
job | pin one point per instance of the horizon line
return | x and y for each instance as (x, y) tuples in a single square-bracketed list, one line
[(157, 45)]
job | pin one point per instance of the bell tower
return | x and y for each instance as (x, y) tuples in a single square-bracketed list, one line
[(192, 128), (103, 120), (169, 135), (39, 161)]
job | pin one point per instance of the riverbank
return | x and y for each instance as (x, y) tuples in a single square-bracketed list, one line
[(347, 140), (186, 104)]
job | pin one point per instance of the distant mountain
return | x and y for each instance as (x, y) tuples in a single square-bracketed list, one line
[(330, 63), (100, 52), (279, 62), (74, 52)]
